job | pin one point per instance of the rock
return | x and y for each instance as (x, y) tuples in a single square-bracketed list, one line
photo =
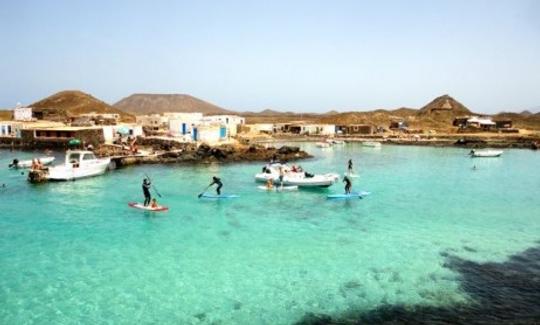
[(285, 150)]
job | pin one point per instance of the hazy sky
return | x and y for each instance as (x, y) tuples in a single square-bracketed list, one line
[(288, 55)]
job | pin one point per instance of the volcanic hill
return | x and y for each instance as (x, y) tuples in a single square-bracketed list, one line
[(70, 103), (141, 104)]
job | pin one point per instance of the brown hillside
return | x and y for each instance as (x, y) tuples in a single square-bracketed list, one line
[(141, 104), (70, 103), (5, 115), (520, 120)]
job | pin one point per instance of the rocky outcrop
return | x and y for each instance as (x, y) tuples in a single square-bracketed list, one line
[(219, 154)]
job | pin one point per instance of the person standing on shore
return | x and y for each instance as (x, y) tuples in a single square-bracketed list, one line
[(146, 191)]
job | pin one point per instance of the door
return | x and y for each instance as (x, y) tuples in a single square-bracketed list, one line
[(184, 128), (194, 134), (223, 132)]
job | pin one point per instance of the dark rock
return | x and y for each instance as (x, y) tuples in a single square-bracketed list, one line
[(285, 150)]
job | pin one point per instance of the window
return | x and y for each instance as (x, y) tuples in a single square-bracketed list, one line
[(88, 156), (73, 158)]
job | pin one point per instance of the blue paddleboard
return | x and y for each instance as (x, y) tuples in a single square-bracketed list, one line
[(217, 197), (353, 195)]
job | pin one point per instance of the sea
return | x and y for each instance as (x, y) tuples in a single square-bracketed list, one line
[(441, 238)]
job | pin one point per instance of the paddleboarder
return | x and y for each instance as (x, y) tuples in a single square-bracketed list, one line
[(350, 167), (146, 191), (217, 181), (348, 184)]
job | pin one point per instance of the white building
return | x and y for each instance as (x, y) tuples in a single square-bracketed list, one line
[(22, 113), (231, 122), (209, 133), (183, 123), (10, 129)]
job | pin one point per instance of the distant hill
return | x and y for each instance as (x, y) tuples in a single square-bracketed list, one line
[(142, 104), (73, 102), (444, 106)]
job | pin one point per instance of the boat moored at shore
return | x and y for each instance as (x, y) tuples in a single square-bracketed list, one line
[(485, 153), (78, 164)]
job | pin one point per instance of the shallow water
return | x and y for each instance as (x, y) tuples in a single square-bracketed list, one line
[(75, 252)]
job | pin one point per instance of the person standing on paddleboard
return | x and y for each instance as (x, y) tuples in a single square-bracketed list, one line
[(350, 168), (348, 185), (146, 191), (217, 181)]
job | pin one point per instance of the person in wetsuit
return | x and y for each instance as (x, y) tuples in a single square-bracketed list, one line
[(146, 191), (348, 185), (350, 168), (217, 181)]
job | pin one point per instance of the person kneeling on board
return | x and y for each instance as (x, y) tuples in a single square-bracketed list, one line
[(146, 191), (217, 181), (154, 204), (348, 185)]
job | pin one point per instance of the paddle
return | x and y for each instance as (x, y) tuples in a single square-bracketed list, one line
[(153, 187), (201, 194)]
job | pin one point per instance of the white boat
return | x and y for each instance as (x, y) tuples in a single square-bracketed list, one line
[(78, 164), (28, 163), (323, 144), (485, 153), (300, 179), (372, 144)]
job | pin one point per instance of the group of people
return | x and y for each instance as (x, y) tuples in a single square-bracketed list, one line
[(147, 184), (152, 202), (36, 164)]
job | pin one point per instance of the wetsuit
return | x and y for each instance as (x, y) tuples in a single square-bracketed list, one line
[(350, 166), (217, 181), (146, 191), (348, 185)]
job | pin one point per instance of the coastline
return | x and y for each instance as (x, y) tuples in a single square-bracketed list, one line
[(500, 141)]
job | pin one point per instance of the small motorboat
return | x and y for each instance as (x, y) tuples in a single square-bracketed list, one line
[(371, 144), (295, 178), (485, 153), (78, 164), (28, 163)]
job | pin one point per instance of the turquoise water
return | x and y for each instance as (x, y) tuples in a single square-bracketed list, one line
[(74, 252)]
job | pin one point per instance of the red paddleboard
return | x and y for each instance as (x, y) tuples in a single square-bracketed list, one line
[(147, 208)]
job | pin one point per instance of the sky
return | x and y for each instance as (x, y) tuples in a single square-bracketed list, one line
[(300, 56)]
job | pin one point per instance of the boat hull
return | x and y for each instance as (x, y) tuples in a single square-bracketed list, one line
[(68, 172)]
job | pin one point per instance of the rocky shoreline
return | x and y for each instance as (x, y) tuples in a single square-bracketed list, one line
[(170, 153), (459, 141)]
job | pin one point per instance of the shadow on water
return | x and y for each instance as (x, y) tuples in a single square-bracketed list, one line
[(502, 293)]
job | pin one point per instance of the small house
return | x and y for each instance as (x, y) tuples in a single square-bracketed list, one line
[(354, 129)]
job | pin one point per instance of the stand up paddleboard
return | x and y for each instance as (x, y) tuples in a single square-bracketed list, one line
[(353, 195), (278, 188), (218, 197), (353, 175), (147, 208)]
